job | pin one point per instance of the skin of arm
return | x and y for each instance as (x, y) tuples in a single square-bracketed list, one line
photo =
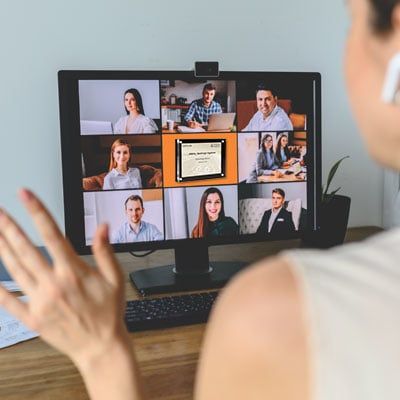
[(256, 345), (194, 124), (74, 307)]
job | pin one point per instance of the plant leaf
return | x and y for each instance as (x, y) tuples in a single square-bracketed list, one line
[(332, 173), (334, 192)]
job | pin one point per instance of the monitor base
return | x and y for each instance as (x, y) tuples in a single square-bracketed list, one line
[(164, 279)]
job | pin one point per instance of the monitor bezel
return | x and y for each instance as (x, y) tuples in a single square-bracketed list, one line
[(68, 81)]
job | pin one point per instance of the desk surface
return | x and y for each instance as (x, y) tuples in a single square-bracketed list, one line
[(167, 358), (283, 178)]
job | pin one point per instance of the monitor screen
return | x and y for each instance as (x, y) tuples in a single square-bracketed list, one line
[(163, 157)]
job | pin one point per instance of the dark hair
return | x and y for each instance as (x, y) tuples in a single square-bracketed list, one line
[(264, 86), (203, 223), (134, 198), (279, 146), (263, 140), (209, 86), (279, 191), (135, 93), (382, 14)]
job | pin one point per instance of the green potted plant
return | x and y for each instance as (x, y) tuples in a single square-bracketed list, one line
[(333, 215)]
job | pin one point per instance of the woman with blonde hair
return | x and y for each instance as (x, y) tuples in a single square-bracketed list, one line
[(120, 175)]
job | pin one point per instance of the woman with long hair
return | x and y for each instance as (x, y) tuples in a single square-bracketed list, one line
[(135, 121), (282, 151), (120, 175), (266, 160), (212, 220)]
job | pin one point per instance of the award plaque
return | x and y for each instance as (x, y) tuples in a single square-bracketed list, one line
[(200, 159)]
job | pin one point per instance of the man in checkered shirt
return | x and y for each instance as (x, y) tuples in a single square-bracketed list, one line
[(201, 109)]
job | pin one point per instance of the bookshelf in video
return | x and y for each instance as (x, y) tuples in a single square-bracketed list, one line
[(167, 160)]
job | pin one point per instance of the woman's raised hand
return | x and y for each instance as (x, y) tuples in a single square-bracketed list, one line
[(76, 308)]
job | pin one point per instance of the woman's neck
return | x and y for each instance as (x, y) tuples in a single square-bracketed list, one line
[(133, 114), (123, 169)]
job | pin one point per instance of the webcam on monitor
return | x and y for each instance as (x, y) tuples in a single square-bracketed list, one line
[(206, 69)]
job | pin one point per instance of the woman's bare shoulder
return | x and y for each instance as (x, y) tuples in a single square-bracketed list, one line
[(256, 338)]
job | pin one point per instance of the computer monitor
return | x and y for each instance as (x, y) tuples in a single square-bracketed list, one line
[(137, 155)]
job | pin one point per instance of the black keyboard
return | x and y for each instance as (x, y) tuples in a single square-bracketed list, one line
[(164, 312)]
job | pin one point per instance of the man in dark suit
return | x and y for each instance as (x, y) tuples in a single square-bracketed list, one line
[(277, 221)]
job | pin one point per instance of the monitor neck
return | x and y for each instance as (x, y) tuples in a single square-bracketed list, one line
[(192, 259)]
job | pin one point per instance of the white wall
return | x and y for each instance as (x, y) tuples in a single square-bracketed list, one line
[(37, 38), (104, 100)]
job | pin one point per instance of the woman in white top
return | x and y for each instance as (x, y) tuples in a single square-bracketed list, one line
[(135, 121), (120, 175), (318, 325)]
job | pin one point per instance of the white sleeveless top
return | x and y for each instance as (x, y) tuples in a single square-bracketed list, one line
[(352, 300)]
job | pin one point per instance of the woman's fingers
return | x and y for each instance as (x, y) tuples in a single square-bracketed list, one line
[(14, 306), (58, 247), (21, 256), (105, 258), (19, 273)]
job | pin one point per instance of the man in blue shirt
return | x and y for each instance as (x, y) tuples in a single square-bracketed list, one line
[(201, 109), (134, 229)]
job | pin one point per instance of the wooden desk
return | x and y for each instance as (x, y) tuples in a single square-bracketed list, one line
[(284, 178), (167, 358)]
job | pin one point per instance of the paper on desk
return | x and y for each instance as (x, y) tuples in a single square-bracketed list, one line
[(13, 331), (11, 286), (186, 129)]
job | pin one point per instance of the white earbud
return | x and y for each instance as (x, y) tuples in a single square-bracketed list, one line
[(391, 86)]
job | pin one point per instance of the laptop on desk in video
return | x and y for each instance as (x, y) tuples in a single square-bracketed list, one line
[(96, 127), (221, 122)]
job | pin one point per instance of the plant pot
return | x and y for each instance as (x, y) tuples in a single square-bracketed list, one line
[(333, 219)]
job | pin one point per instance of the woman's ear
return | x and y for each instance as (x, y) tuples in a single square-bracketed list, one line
[(396, 19)]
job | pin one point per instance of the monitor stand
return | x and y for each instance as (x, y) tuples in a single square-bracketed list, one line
[(192, 271)]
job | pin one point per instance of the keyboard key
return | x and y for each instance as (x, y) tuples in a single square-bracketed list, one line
[(169, 311)]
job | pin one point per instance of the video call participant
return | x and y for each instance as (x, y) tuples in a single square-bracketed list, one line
[(135, 229), (121, 176), (201, 109), (282, 151), (265, 160), (212, 220), (269, 117), (277, 220), (135, 121)]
